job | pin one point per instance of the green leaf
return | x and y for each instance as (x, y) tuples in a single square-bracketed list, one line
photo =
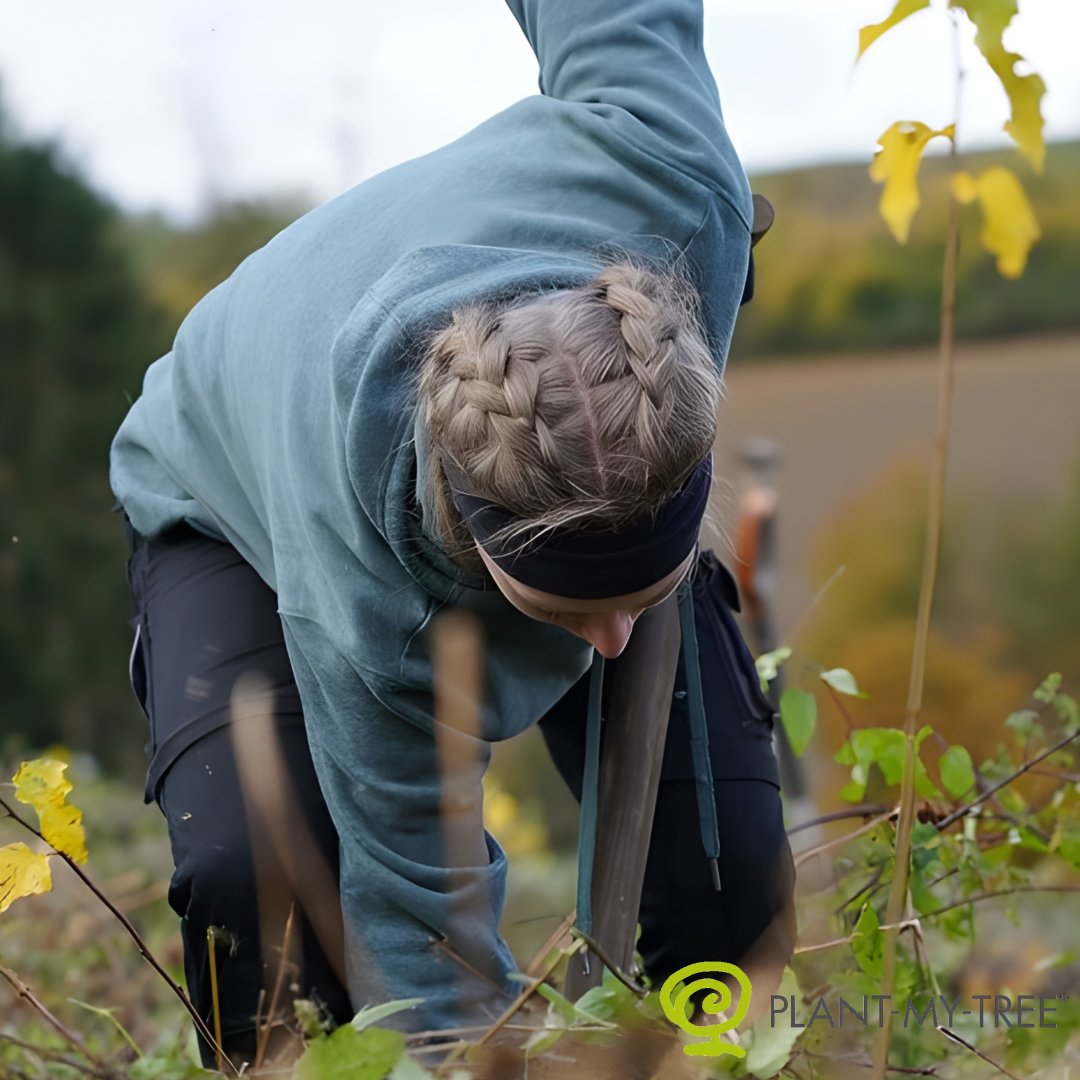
[(846, 754), (1024, 723), (853, 792), (348, 1054), (372, 1014), (563, 1007), (867, 942), (771, 1045), (798, 713), (540, 1042), (408, 1069), (957, 772), (1068, 712), (841, 680), (1049, 688), (768, 665), (598, 1002)]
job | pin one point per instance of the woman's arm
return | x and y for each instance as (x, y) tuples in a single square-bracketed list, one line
[(647, 58)]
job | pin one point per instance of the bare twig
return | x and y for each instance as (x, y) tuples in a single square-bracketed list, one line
[(1001, 892), (211, 947), (126, 923), (54, 1055), (904, 924), (615, 970), (838, 702), (958, 813), (514, 1006), (950, 1034), (935, 513), (874, 878), (910, 1070), (864, 810), (802, 856), (69, 1036), (264, 1033)]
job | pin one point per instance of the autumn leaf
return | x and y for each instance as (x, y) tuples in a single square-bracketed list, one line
[(22, 873), (62, 827), (41, 784), (1009, 225), (896, 165), (1025, 92), (869, 34)]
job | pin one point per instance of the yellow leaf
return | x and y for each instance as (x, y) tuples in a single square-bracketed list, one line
[(22, 873), (869, 34), (896, 165), (41, 783), (62, 827), (1009, 225), (1025, 92)]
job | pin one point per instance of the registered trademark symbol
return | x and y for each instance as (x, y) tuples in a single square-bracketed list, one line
[(1063, 996)]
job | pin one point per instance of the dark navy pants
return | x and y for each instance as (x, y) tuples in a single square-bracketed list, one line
[(203, 616)]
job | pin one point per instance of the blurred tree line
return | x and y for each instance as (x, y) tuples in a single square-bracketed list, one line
[(87, 301), (830, 277), (90, 297)]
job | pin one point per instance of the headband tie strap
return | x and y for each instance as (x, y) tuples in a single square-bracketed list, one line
[(590, 564)]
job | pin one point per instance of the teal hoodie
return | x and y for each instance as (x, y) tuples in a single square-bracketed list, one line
[(284, 421)]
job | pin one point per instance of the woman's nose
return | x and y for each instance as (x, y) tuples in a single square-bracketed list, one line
[(608, 633)]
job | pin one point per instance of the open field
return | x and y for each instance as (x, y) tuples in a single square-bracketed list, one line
[(1016, 431)]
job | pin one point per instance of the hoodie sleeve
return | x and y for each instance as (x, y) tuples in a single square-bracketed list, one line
[(422, 883), (645, 58)]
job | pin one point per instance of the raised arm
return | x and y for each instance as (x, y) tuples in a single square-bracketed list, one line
[(646, 58)]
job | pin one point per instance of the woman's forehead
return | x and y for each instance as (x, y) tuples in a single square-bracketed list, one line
[(567, 605)]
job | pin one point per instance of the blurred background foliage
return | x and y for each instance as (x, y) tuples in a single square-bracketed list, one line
[(89, 297), (876, 296)]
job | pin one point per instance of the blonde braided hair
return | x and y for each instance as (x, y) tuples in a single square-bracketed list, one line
[(589, 406)]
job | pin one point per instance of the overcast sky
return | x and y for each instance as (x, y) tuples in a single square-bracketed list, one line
[(165, 103)]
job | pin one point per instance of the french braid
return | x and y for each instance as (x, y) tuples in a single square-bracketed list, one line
[(589, 406)]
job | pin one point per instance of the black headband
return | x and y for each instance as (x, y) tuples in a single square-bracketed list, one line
[(591, 564)]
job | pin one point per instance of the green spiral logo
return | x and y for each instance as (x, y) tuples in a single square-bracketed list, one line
[(681, 985)]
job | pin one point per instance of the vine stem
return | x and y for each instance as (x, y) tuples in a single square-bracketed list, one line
[(126, 923), (935, 509)]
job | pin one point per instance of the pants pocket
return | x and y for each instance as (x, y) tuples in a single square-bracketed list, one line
[(137, 674)]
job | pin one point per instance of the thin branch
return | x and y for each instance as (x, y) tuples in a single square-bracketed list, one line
[(950, 1034), (802, 856), (69, 1036), (615, 970), (53, 1055), (126, 923), (935, 514), (946, 821), (264, 1034), (904, 924), (1001, 892), (513, 1007), (864, 810), (910, 1070), (842, 707), (874, 878)]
